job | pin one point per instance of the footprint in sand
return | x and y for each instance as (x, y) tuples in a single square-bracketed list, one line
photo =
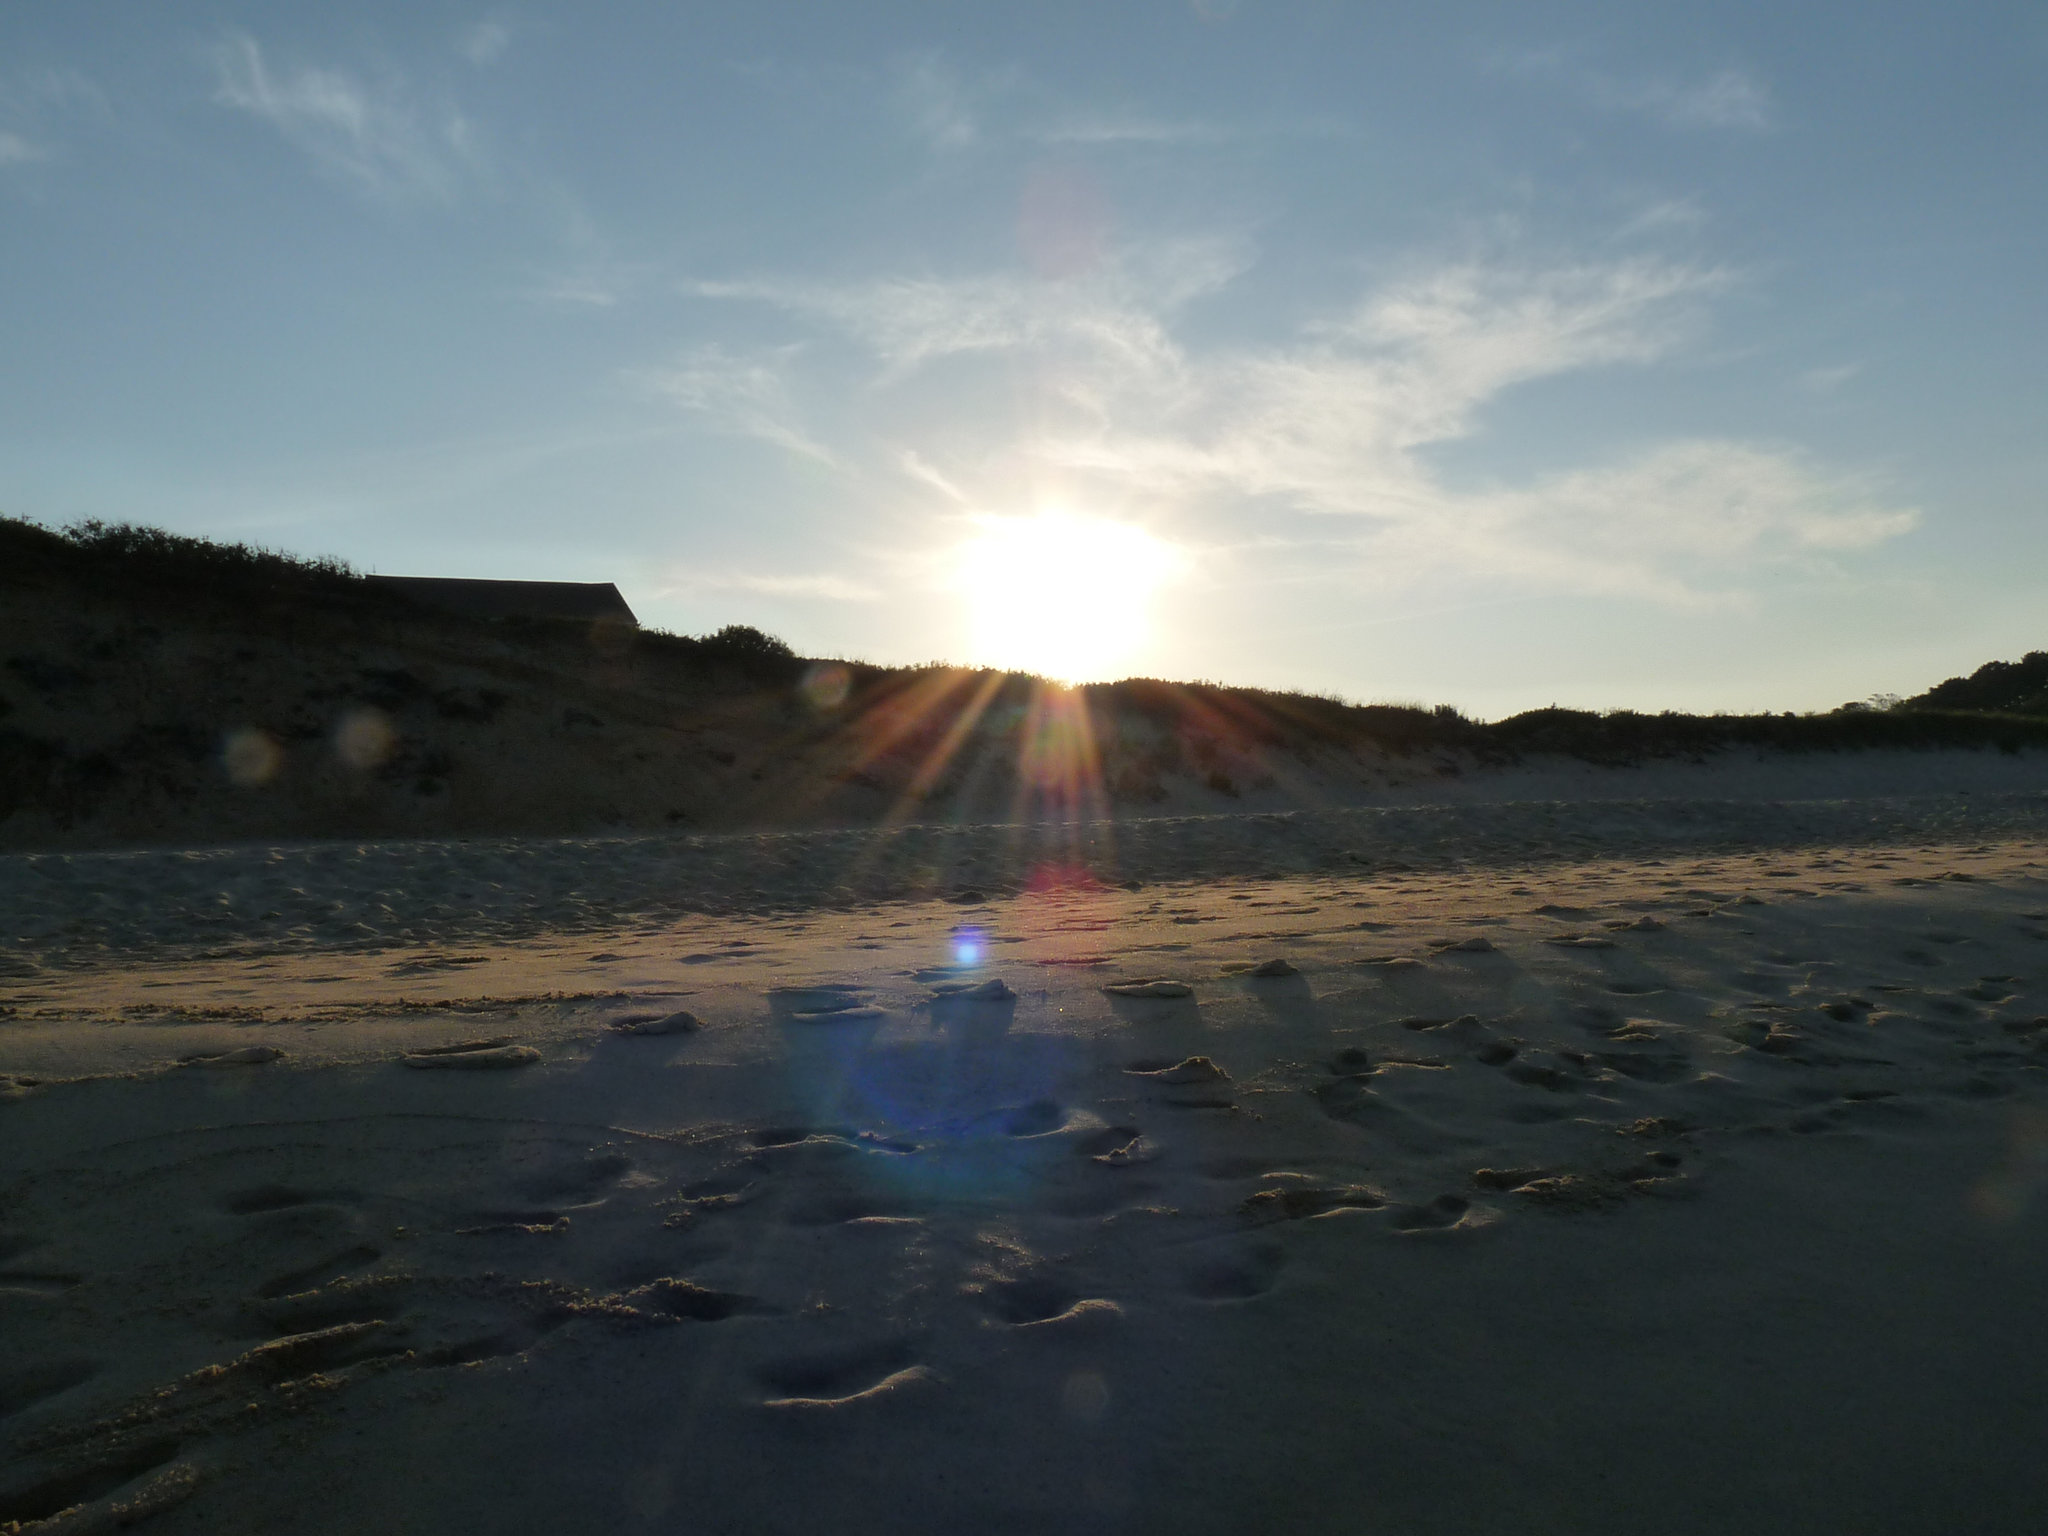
[(1239, 1273), (681, 1022), (836, 1205), (1261, 970), (1531, 1073), (261, 1199), (994, 990), (672, 1296), (1195, 1082), (1179, 1074), (826, 1003), (323, 1272), (1117, 1146), (839, 1380), (72, 1493), (1041, 1117), (571, 1177), (1441, 1214), (244, 1056), (348, 1299), (1420, 1022), (822, 1005), (1154, 987), (38, 1282), (1647, 1066), (1042, 1302), (22, 1387), (473, 1055), (1299, 1202)]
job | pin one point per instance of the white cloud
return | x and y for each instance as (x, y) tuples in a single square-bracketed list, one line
[(745, 395), (1666, 213), (1110, 129), (911, 322), (1729, 98), (914, 465), (583, 290), (836, 589), (936, 102), (1336, 421), (381, 143), (1825, 381), (34, 91), (484, 43), (39, 105), (1658, 522)]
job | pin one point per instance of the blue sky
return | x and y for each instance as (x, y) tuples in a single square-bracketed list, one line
[(1605, 355)]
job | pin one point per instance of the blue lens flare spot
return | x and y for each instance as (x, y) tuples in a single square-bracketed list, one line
[(968, 945)]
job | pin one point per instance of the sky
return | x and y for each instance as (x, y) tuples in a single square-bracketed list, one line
[(1628, 355)]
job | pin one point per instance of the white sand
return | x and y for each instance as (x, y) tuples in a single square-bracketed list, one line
[(1703, 1197)]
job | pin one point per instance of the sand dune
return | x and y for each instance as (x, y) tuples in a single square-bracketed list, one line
[(178, 702), (1624, 1175)]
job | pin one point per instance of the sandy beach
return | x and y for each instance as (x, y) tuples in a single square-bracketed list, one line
[(1570, 1167), (1194, 769)]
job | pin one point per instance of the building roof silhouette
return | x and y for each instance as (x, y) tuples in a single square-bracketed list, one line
[(584, 600)]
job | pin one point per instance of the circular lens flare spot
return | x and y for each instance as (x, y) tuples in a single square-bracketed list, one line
[(364, 739), (826, 684), (250, 756)]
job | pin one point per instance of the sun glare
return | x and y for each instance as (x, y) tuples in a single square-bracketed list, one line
[(1061, 595)]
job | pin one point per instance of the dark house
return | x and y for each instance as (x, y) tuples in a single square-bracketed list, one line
[(588, 601)]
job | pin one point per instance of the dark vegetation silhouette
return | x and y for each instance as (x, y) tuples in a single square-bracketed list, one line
[(2008, 687), (128, 655)]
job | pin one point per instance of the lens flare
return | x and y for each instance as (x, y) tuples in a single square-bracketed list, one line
[(1064, 596), (826, 684), (364, 739), (251, 757), (969, 945)]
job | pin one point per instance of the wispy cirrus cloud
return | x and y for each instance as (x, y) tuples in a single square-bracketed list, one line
[(954, 110), (1339, 421), (374, 138), (1726, 98), (484, 43), (937, 102), (741, 394), (1098, 128), (908, 323), (1827, 380), (34, 107), (830, 587)]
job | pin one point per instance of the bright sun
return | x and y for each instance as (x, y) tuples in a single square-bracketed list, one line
[(1064, 596)]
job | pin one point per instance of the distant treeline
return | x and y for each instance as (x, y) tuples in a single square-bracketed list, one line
[(2010, 687), (156, 563), (1616, 737), (2002, 704), (129, 553)]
